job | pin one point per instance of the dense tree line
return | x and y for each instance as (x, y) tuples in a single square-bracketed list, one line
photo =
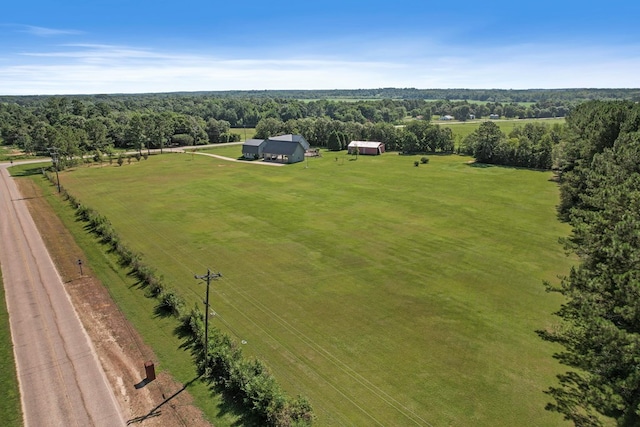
[(600, 329), (24, 120), (484, 95), (530, 146), (464, 110), (78, 127), (75, 127)]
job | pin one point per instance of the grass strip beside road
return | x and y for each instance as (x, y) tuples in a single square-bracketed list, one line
[(157, 331), (10, 410)]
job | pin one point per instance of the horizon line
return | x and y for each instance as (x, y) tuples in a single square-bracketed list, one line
[(204, 91)]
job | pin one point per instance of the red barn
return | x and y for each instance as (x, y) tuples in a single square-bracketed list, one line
[(372, 148)]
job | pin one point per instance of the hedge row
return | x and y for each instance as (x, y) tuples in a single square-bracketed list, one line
[(248, 380), (226, 367)]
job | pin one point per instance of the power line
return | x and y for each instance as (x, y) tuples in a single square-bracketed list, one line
[(208, 277)]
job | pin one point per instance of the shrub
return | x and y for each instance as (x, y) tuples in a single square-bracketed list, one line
[(97, 156), (424, 160), (182, 139), (171, 303), (416, 163)]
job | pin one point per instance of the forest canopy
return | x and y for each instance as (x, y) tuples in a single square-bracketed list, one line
[(600, 320), (401, 118)]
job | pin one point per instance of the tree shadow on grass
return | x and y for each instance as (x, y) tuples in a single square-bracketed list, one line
[(480, 165), (163, 311), (474, 164), (27, 171), (230, 403)]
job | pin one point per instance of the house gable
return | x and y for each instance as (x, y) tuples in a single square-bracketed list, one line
[(252, 148), (285, 148), (299, 139)]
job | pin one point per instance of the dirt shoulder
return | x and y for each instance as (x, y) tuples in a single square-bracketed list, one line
[(162, 402)]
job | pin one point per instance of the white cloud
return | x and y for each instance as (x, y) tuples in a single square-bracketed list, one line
[(49, 32), (99, 68)]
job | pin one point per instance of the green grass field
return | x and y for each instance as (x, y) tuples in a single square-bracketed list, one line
[(462, 129), (386, 293), (10, 410), (245, 133)]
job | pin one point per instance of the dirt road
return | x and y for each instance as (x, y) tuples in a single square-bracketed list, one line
[(61, 380)]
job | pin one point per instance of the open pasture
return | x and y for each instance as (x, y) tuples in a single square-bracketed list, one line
[(245, 133), (462, 129), (388, 294)]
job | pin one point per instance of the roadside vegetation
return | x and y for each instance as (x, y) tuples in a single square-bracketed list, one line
[(10, 408), (124, 288)]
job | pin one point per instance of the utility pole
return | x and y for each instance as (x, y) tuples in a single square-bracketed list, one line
[(53, 151), (208, 277)]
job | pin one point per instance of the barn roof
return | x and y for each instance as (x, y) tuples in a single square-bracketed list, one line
[(253, 142), (365, 144), (275, 146), (298, 139)]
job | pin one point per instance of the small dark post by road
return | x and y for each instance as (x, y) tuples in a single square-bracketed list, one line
[(208, 277), (80, 265)]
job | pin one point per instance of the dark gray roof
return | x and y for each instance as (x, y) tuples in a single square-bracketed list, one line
[(253, 142), (280, 147), (299, 139)]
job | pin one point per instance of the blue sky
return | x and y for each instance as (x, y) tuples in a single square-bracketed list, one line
[(88, 47)]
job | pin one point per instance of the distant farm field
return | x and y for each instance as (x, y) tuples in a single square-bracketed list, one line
[(245, 133), (462, 129), (388, 294)]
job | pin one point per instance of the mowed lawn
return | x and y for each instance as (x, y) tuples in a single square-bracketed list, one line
[(388, 294)]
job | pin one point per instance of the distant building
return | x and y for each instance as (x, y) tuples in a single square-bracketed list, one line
[(285, 149), (252, 148), (366, 147), (494, 116), (446, 117)]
